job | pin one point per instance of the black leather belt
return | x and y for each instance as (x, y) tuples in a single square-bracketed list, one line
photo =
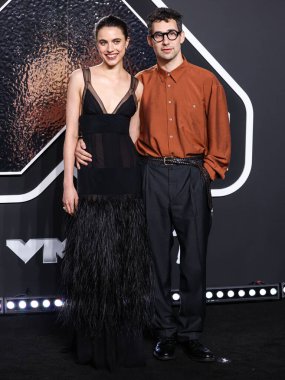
[(196, 161), (175, 160)]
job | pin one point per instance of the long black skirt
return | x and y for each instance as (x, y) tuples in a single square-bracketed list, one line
[(107, 279)]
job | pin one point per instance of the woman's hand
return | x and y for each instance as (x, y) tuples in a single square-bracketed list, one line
[(70, 199)]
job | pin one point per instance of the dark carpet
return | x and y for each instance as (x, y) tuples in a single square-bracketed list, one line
[(252, 335)]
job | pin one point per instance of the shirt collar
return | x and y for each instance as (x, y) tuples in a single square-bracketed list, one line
[(174, 74)]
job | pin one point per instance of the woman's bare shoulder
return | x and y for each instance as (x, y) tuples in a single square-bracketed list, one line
[(76, 75), (76, 80)]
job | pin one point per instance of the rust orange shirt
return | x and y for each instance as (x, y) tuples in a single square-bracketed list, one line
[(184, 112)]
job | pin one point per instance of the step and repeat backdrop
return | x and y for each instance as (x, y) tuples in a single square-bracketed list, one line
[(42, 42)]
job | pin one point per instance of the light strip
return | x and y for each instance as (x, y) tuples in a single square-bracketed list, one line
[(246, 293), (20, 305)]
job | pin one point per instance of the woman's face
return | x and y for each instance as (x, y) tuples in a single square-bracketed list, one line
[(111, 44)]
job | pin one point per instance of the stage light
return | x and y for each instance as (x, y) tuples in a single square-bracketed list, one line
[(220, 294), (59, 303), (176, 296), (22, 305), (209, 295), (262, 292), (46, 303), (241, 293), (10, 305), (231, 294), (34, 304), (252, 292), (273, 291)]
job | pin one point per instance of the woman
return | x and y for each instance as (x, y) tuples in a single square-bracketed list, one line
[(106, 269)]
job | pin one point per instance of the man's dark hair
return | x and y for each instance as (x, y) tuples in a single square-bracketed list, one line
[(164, 14), (111, 21)]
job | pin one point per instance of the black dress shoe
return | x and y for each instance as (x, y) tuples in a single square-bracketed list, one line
[(165, 348), (196, 351)]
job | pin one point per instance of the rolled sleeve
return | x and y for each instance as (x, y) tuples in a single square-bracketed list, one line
[(217, 158)]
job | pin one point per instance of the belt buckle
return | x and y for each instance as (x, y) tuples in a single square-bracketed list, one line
[(164, 161)]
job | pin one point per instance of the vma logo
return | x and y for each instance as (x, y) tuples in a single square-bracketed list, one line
[(25, 251)]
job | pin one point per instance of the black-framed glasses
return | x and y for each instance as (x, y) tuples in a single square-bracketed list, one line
[(171, 35)]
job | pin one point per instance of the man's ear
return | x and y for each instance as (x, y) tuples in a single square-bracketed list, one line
[(150, 41), (182, 37)]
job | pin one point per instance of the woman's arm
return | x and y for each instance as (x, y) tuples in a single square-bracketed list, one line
[(73, 106), (134, 129)]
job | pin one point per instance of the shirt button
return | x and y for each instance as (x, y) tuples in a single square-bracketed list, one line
[(168, 74), (170, 136), (170, 119), (169, 101), (169, 85)]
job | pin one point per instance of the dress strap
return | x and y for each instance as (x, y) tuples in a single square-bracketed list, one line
[(86, 75), (134, 84), (87, 80)]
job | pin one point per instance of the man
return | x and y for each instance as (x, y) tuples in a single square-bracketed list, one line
[(184, 143)]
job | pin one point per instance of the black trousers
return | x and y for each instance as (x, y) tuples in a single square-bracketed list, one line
[(176, 198)]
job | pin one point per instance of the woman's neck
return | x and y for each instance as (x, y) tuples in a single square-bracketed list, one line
[(115, 71)]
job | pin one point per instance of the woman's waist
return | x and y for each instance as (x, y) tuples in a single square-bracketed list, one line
[(88, 134), (100, 124)]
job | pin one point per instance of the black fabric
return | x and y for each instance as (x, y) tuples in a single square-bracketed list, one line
[(110, 350), (176, 197), (114, 167), (106, 268), (107, 263)]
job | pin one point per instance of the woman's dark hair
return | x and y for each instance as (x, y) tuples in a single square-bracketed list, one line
[(164, 14), (111, 21)]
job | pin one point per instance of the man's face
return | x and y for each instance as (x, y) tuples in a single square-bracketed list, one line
[(167, 49)]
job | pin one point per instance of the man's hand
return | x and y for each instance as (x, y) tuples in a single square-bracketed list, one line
[(81, 155)]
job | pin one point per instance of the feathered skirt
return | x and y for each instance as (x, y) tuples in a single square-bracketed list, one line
[(107, 271)]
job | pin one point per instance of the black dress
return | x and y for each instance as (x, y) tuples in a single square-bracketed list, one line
[(107, 265)]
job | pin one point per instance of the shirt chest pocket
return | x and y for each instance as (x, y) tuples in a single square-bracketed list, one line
[(192, 113)]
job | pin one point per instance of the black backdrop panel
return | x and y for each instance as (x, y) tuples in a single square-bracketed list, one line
[(41, 43)]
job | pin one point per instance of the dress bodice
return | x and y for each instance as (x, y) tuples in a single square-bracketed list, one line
[(114, 168)]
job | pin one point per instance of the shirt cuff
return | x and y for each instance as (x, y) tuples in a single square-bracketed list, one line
[(211, 172)]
